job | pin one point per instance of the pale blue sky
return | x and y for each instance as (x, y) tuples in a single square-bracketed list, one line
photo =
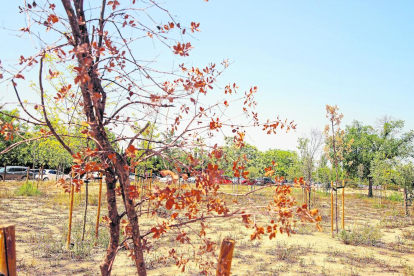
[(301, 54)]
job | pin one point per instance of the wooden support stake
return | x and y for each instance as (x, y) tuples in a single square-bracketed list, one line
[(72, 191), (86, 209), (225, 257), (332, 211), (27, 176), (99, 210), (7, 251), (343, 204)]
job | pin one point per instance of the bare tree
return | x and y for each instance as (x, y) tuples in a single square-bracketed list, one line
[(309, 149)]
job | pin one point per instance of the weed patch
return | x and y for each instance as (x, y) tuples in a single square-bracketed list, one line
[(28, 189), (363, 235)]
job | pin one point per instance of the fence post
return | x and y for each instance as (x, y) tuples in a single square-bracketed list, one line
[(8, 251), (225, 257)]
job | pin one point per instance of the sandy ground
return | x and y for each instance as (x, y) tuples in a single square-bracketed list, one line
[(41, 229)]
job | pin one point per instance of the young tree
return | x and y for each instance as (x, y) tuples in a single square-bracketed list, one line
[(309, 149), (403, 176), (105, 85), (380, 170), (335, 147)]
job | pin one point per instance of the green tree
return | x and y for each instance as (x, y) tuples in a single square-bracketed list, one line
[(386, 142), (403, 176), (284, 159), (380, 170), (12, 147)]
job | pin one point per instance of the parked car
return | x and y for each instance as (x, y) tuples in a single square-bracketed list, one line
[(248, 181), (35, 171), (166, 179), (132, 177), (93, 176), (223, 180), (49, 174), (15, 173), (236, 180), (261, 181)]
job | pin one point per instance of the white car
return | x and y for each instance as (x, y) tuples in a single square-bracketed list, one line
[(166, 179), (92, 176), (51, 175)]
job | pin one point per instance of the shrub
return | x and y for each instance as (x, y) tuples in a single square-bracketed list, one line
[(28, 189), (363, 235), (396, 221), (396, 197), (351, 184), (392, 187)]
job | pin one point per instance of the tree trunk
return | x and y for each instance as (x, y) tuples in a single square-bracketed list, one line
[(405, 202), (94, 112), (123, 177), (370, 194), (309, 193), (106, 265), (57, 172), (310, 196)]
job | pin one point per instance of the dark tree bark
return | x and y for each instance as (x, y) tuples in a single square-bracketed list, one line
[(113, 224), (370, 182), (94, 112)]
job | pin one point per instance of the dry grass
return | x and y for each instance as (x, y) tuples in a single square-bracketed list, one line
[(41, 224)]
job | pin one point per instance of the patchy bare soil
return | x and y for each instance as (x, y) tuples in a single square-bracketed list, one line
[(41, 230)]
